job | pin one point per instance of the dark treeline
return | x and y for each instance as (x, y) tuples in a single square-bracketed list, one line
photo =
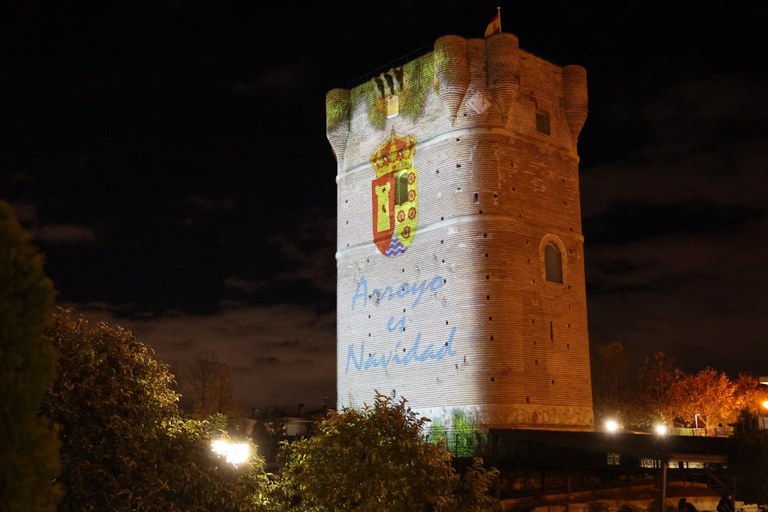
[(659, 392)]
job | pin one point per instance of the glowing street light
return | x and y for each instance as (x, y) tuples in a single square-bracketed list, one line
[(234, 453), (762, 424), (611, 425), (660, 429)]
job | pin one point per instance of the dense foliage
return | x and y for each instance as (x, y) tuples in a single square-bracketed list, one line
[(124, 444), (28, 446), (658, 391), (374, 459)]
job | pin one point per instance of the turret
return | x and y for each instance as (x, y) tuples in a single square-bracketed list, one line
[(337, 109), (575, 98), (452, 70), (503, 70)]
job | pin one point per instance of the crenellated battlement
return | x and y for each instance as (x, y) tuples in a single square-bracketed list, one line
[(479, 82)]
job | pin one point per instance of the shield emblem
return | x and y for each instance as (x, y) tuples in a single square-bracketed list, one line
[(394, 195)]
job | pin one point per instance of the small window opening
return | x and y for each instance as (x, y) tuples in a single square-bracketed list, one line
[(553, 264), (542, 122)]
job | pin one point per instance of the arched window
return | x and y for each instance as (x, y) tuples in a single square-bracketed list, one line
[(553, 263)]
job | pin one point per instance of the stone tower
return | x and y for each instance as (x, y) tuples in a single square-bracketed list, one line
[(460, 254)]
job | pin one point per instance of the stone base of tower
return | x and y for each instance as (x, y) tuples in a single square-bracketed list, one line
[(514, 416)]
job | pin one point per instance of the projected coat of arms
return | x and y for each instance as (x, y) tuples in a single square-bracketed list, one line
[(394, 194)]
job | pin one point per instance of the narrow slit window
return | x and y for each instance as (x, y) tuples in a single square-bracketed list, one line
[(542, 122), (553, 264)]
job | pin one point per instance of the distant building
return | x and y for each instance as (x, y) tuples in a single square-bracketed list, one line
[(460, 250)]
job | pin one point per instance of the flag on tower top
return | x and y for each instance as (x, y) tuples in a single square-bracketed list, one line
[(494, 27)]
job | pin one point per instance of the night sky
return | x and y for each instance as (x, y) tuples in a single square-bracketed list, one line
[(169, 158)]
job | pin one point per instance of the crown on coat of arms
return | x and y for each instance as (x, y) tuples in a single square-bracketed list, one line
[(395, 154)]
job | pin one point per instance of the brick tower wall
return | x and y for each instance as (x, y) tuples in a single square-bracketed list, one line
[(464, 320)]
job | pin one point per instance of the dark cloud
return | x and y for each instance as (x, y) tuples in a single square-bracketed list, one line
[(284, 344), (254, 334), (64, 233), (627, 222), (245, 285), (209, 204), (265, 361), (674, 205)]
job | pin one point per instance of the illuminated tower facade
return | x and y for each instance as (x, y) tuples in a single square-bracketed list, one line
[(460, 253)]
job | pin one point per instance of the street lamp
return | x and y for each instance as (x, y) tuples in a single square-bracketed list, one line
[(611, 425), (761, 420), (760, 423), (234, 453)]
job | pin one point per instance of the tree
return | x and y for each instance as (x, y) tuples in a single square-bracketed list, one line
[(708, 394), (377, 459), (750, 395), (658, 379), (211, 385), (29, 458), (614, 388), (124, 444)]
